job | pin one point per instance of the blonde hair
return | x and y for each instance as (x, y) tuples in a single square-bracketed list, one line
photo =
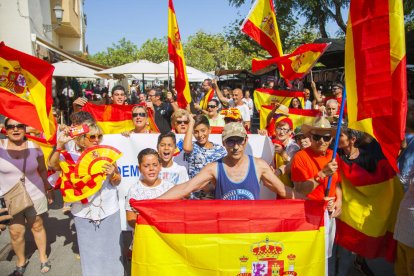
[(178, 114), (93, 129)]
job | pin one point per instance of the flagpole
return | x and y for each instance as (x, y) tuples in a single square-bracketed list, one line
[(338, 133)]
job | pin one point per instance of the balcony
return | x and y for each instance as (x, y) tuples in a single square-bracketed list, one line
[(71, 21)]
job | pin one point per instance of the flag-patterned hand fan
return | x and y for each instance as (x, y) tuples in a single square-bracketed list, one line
[(92, 159)]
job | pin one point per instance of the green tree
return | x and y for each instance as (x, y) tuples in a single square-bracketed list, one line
[(120, 53), (154, 50)]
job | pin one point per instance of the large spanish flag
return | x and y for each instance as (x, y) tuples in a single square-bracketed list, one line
[(175, 51), (371, 199), (115, 119), (26, 90), (260, 24), (375, 69), (263, 96), (258, 237)]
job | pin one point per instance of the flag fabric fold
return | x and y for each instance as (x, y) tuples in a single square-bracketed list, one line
[(176, 55), (263, 96), (261, 25), (26, 91), (264, 237), (375, 69), (207, 97)]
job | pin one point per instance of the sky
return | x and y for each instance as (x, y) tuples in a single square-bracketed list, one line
[(139, 20)]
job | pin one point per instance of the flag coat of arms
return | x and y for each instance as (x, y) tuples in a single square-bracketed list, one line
[(26, 90), (263, 237)]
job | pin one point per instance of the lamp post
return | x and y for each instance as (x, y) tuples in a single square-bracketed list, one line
[(59, 15)]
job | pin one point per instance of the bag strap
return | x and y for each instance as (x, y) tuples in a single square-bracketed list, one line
[(24, 164)]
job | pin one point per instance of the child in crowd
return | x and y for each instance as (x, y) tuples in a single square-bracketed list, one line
[(202, 151), (170, 171), (149, 185)]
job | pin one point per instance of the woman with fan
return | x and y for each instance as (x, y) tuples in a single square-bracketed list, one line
[(95, 201)]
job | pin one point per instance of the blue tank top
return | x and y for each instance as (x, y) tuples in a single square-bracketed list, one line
[(247, 189)]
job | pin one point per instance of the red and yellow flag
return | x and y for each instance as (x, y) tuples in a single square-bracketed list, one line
[(263, 96), (115, 119), (260, 24), (175, 51), (26, 90), (207, 97), (297, 64), (370, 205), (375, 69), (263, 237)]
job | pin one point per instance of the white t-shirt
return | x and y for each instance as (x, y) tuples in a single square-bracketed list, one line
[(249, 103), (176, 174), (139, 191)]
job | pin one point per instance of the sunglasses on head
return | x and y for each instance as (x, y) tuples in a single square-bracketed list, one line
[(140, 114), (318, 137), (94, 136), (181, 122), (18, 126), (232, 141), (211, 106)]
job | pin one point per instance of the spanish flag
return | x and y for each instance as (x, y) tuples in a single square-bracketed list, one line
[(263, 237), (260, 24), (26, 91), (175, 50), (371, 198), (207, 97), (297, 64), (115, 119), (264, 96), (375, 69)]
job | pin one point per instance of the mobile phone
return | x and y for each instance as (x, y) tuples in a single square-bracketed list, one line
[(3, 205), (78, 130)]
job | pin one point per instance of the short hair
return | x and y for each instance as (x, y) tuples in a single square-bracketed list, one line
[(118, 87), (166, 135), (93, 128), (148, 151), (80, 117), (216, 101), (201, 120), (158, 92), (140, 106), (209, 82), (179, 113), (352, 133), (8, 119), (332, 101)]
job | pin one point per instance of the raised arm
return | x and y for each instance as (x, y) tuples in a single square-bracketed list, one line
[(188, 138), (205, 176), (220, 95)]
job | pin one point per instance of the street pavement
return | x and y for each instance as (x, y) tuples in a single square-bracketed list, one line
[(63, 251)]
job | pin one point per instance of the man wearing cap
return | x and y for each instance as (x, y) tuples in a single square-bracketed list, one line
[(237, 175)]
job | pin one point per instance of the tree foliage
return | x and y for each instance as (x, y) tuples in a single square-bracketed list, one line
[(154, 50), (120, 53)]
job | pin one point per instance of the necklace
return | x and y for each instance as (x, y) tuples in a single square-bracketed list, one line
[(353, 154)]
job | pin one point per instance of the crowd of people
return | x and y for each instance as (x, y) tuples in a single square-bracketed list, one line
[(302, 165)]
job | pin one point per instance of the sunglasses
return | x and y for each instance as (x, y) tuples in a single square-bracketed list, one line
[(140, 114), (181, 122), (318, 137), (211, 106), (94, 137), (231, 142), (18, 126)]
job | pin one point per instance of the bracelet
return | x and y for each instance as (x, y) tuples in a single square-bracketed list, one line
[(59, 149)]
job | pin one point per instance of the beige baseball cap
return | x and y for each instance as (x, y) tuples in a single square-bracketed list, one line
[(234, 129)]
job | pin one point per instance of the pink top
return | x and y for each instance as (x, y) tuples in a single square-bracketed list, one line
[(12, 169)]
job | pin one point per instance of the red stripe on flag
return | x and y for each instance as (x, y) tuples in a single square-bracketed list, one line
[(360, 177), (230, 216), (366, 246), (281, 93), (109, 113), (261, 38)]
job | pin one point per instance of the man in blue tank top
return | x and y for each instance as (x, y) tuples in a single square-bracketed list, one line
[(237, 176)]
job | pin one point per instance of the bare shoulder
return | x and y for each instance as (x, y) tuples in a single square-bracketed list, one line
[(260, 163)]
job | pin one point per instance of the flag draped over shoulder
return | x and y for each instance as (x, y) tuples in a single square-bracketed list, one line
[(26, 91), (207, 97), (175, 51), (371, 200), (295, 65), (260, 24), (264, 96), (264, 237), (115, 119), (375, 69)]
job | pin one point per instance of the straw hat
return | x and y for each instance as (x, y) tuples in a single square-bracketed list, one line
[(320, 125)]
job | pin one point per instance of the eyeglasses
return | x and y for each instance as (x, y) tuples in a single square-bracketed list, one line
[(231, 142), (281, 129), (211, 106), (18, 126), (94, 136), (140, 114), (318, 137), (181, 122)]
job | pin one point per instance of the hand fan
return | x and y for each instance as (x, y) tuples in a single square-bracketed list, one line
[(92, 159)]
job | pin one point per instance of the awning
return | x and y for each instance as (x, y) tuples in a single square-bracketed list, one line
[(69, 56)]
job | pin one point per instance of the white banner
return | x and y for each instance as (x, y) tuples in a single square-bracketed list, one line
[(258, 146)]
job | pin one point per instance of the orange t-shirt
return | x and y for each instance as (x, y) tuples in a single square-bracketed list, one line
[(306, 164)]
